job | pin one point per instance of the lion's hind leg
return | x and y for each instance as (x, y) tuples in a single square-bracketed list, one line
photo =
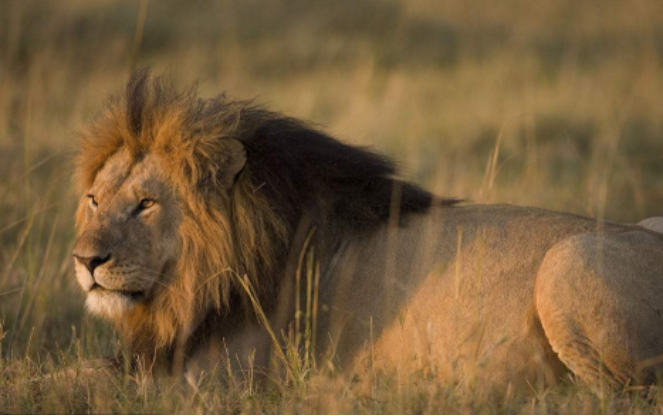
[(599, 297)]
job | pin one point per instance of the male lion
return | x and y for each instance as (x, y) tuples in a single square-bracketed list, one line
[(197, 213)]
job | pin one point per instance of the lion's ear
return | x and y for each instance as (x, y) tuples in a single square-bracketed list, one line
[(235, 161)]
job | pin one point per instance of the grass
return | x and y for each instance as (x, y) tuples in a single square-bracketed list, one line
[(554, 104)]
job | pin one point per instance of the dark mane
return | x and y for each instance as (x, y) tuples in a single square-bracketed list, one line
[(302, 167)]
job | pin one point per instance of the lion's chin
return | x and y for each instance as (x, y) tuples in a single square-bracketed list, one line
[(109, 304)]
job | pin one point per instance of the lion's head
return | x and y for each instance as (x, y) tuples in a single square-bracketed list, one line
[(181, 196)]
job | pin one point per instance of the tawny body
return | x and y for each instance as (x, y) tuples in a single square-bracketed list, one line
[(453, 293), (489, 294)]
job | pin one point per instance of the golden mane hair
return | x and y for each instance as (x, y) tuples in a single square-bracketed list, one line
[(292, 169)]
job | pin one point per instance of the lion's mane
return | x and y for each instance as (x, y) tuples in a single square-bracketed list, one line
[(292, 170)]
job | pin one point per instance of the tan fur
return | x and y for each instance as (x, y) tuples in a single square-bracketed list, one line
[(406, 281), (599, 298)]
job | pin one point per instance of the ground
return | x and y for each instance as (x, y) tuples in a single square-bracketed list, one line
[(555, 104)]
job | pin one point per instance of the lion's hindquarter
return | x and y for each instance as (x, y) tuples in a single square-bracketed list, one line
[(450, 291), (600, 300)]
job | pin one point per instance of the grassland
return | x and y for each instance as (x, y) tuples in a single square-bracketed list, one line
[(564, 96)]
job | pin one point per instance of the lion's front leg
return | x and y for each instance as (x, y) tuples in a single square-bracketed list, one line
[(83, 374)]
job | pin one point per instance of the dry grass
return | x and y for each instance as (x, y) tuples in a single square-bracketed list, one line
[(550, 103)]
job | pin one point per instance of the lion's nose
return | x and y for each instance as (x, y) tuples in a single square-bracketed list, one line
[(92, 262)]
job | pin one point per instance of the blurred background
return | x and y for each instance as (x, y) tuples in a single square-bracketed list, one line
[(550, 103)]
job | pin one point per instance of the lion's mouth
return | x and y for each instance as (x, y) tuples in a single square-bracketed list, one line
[(135, 296)]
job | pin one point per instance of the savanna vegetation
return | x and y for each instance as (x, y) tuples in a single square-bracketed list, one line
[(555, 104)]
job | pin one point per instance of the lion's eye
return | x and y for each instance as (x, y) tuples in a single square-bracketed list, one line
[(93, 201), (146, 203)]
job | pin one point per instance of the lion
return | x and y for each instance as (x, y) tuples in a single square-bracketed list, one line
[(198, 218)]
